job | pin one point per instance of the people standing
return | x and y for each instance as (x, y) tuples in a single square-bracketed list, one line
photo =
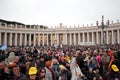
[(75, 70), (42, 73), (114, 67), (105, 61), (49, 71), (32, 74)]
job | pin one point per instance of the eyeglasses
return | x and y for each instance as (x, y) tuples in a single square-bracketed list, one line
[(42, 71)]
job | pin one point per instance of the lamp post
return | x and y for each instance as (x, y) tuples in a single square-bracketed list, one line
[(102, 26)]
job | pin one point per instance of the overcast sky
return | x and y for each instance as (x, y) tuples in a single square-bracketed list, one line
[(53, 12)]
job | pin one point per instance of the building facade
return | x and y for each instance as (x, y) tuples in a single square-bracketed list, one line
[(18, 34)]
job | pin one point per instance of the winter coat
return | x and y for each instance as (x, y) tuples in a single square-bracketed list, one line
[(48, 75), (75, 69)]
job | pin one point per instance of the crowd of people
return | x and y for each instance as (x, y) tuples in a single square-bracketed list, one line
[(60, 63)]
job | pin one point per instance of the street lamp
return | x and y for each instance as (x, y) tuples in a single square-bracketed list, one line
[(102, 26)]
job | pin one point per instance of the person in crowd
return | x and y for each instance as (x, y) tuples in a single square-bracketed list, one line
[(32, 73), (67, 66), (37, 61), (17, 75), (93, 63), (67, 56), (87, 57), (75, 70), (97, 74), (30, 58), (99, 59), (2, 65), (79, 59), (21, 62), (42, 73), (55, 67), (16, 60), (27, 57), (90, 74), (27, 66), (105, 61), (42, 62), (6, 74), (62, 59), (62, 73), (3, 56), (110, 52), (10, 58), (114, 67), (49, 71)]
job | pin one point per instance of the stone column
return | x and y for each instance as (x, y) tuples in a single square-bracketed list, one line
[(34, 41), (58, 42), (74, 38), (88, 37), (0, 38), (0, 26), (112, 37), (43, 39), (70, 39), (15, 39), (38, 39), (78, 38), (107, 38), (92, 37), (51, 40), (66, 38), (118, 35), (20, 39), (47, 38), (25, 42), (29, 39), (102, 37), (83, 38), (10, 39), (55, 37), (97, 38), (5, 38)]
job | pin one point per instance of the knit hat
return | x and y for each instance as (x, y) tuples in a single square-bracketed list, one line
[(32, 70), (61, 67)]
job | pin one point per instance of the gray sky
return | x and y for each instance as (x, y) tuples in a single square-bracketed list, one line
[(53, 12)]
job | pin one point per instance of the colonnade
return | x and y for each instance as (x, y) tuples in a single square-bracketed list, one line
[(21, 35), (82, 38)]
